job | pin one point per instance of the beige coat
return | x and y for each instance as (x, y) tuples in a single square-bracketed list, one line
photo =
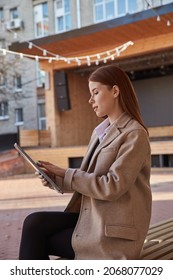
[(112, 194)]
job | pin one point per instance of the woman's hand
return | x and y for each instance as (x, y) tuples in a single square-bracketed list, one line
[(51, 170)]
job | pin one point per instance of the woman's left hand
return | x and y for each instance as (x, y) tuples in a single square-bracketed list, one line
[(53, 169)]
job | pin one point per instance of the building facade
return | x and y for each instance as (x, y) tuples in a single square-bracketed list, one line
[(22, 102), (72, 28)]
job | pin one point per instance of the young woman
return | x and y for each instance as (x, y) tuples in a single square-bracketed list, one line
[(109, 213)]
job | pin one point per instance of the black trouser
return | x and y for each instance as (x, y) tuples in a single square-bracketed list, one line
[(47, 233)]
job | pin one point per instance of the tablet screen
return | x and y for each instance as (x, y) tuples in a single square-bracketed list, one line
[(36, 167)]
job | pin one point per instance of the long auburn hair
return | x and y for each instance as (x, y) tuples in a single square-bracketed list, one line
[(111, 75)]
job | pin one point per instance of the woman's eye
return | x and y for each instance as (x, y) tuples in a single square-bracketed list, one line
[(96, 92)]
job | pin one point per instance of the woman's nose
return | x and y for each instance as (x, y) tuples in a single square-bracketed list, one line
[(91, 100)]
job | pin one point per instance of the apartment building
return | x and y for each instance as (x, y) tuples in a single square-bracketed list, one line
[(22, 102)]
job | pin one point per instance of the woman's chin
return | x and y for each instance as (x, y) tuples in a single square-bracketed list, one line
[(101, 116)]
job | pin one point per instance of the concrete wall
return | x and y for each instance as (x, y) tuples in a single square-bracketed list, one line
[(156, 100)]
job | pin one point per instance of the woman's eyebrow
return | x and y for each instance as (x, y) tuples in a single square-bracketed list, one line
[(94, 89)]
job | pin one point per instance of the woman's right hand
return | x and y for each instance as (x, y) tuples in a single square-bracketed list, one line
[(43, 180), (45, 183)]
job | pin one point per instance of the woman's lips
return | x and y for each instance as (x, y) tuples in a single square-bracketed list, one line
[(95, 108)]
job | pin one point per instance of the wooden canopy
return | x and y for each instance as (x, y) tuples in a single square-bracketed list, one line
[(148, 35)]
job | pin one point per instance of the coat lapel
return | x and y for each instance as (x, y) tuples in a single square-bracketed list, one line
[(113, 133), (91, 147)]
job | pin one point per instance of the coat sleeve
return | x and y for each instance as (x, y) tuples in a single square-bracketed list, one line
[(123, 172)]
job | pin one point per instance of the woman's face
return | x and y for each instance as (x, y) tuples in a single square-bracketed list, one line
[(103, 99)]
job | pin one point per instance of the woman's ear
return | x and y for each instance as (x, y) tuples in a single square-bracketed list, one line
[(116, 91)]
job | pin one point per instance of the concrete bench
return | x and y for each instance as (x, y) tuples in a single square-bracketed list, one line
[(159, 242)]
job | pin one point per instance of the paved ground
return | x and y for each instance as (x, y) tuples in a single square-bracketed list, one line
[(20, 196)]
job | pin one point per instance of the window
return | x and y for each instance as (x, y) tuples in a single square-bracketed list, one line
[(121, 7), (1, 14), (17, 82), (132, 6), (104, 9), (59, 4), (40, 76), (166, 2), (109, 9), (41, 116), (4, 111), (19, 116), (41, 20), (14, 13), (153, 3), (2, 80), (62, 15), (2, 43)]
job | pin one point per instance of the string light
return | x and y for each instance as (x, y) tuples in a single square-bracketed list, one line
[(89, 59), (44, 52), (107, 53), (117, 52), (15, 35), (168, 22), (30, 45), (158, 18), (21, 55)]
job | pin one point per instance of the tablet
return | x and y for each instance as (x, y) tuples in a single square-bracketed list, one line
[(37, 168)]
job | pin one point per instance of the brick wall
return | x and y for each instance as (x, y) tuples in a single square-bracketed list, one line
[(11, 164)]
